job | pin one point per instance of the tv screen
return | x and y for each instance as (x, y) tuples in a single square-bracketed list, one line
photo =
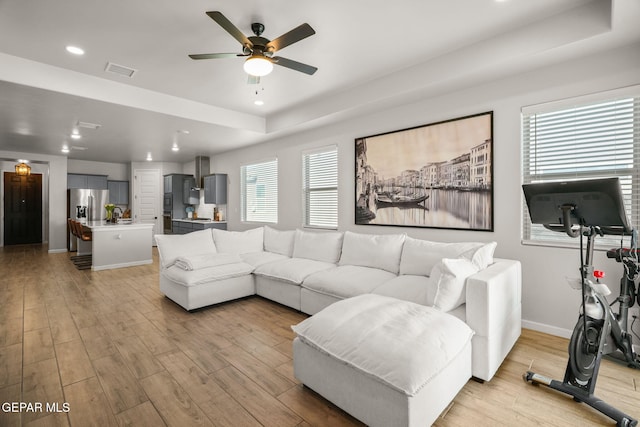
[(596, 202)]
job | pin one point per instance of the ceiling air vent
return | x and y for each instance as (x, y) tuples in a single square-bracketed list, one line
[(120, 69)]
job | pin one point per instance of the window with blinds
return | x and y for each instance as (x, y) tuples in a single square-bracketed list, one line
[(259, 192), (320, 188), (590, 137)]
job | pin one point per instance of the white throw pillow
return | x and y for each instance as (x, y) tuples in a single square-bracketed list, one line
[(239, 242), (372, 250), (172, 246), (420, 256), (319, 246), (278, 241), (451, 275), (482, 257)]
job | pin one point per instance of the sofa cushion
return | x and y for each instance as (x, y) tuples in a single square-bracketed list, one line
[(451, 276), (401, 344), (206, 275), (347, 281), (278, 241), (239, 242), (293, 270), (418, 289), (258, 258), (420, 256), (319, 246), (372, 250), (196, 262), (172, 246)]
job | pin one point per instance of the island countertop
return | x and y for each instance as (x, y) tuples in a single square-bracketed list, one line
[(104, 226)]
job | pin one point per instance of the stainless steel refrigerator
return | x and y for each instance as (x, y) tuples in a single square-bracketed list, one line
[(85, 204)]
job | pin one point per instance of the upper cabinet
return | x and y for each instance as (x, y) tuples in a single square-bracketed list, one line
[(94, 182), (118, 192), (215, 188), (189, 195)]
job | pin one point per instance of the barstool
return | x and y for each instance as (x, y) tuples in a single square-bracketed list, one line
[(82, 262)]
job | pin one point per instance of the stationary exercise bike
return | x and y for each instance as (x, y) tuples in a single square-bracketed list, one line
[(588, 209)]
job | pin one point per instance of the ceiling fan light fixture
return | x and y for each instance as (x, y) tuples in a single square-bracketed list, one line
[(258, 65)]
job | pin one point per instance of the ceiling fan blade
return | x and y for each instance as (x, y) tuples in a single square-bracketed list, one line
[(230, 28), (294, 65), (214, 55), (253, 80), (301, 32)]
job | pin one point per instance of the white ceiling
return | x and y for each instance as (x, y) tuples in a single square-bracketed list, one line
[(370, 54)]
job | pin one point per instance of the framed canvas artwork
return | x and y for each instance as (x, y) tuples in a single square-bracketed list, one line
[(438, 175)]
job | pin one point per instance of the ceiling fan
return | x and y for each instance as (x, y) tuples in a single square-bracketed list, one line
[(260, 50)]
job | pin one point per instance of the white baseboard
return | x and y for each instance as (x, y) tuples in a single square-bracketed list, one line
[(547, 329), (57, 251), (561, 332)]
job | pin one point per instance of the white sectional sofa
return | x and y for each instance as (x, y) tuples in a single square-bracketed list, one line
[(309, 271)]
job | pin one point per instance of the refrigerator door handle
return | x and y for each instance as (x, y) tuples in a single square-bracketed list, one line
[(90, 208)]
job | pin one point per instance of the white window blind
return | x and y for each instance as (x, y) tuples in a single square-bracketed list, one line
[(320, 188), (594, 137), (259, 192)]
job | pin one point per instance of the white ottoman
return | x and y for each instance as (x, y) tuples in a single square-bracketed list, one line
[(385, 361)]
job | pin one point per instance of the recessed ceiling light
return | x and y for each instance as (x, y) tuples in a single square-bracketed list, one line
[(175, 148), (75, 50), (76, 136), (65, 149), (149, 158), (186, 132), (258, 102)]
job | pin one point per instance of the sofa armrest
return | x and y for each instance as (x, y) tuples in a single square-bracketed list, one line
[(493, 311)]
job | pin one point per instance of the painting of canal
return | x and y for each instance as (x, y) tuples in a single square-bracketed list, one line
[(438, 175)]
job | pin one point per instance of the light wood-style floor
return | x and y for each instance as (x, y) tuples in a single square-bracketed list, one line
[(117, 352)]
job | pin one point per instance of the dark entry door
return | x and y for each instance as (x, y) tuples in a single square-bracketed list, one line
[(22, 209)]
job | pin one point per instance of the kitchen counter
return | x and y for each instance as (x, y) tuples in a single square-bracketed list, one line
[(186, 225), (120, 245), (102, 225), (198, 220)]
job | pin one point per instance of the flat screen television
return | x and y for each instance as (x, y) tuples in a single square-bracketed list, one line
[(595, 202)]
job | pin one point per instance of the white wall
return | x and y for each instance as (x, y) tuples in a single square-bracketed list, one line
[(548, 302), (114, 171)]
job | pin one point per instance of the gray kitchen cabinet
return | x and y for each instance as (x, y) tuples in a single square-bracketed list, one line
[(173, 201), (94, 182), (184, 227), (207, 225), (215, 188), (189, 195), (118, 192)]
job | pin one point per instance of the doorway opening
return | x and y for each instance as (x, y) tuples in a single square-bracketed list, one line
[(22, 209)]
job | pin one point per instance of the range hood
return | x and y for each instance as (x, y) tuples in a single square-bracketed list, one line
[(202, 169)]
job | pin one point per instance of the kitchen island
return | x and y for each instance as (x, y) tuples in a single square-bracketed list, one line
[(119, 245)]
